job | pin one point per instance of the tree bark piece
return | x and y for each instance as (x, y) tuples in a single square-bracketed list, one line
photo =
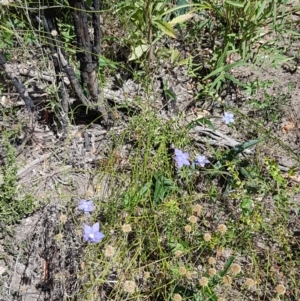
[(54, 43), (89, 49)]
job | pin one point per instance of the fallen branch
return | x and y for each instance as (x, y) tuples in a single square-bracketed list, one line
[(22, 172), (18, 85)]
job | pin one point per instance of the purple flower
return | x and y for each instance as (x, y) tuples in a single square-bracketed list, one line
[(86, 206), (228, 117), (92, 234), (181, 158), (201, 160)]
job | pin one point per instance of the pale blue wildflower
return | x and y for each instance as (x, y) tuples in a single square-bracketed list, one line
[(92, 234), (181, 158), (228, 117), (86, 206), (201, 160)]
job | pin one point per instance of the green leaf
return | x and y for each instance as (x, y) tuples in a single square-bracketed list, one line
[(170, 94), (247, 205), (184, 61), (175, 55), (164, 27), (162, 186), (181, 19), (104, 62), (261, 10), (234, 80), (182, 10), (201, 121), (138, 51), (197, 7), (224, 68), (240, 148), (227, 266), (236, 4)]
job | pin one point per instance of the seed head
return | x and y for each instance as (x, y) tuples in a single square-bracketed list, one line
[(203, 281), (129, 286), (207, 237), (109, 251), (250, 282), (280, 289), (63, 218), (212, 271), (193, 219), (5, 2), (59, 237), (182, 270), (146, 275), (235, 268), (189, 275), (178, 253), (197, 209), (53, 33), (177, 297), (126, 228), (227, 280), (222, 228), (211, 261), (188, 228)]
